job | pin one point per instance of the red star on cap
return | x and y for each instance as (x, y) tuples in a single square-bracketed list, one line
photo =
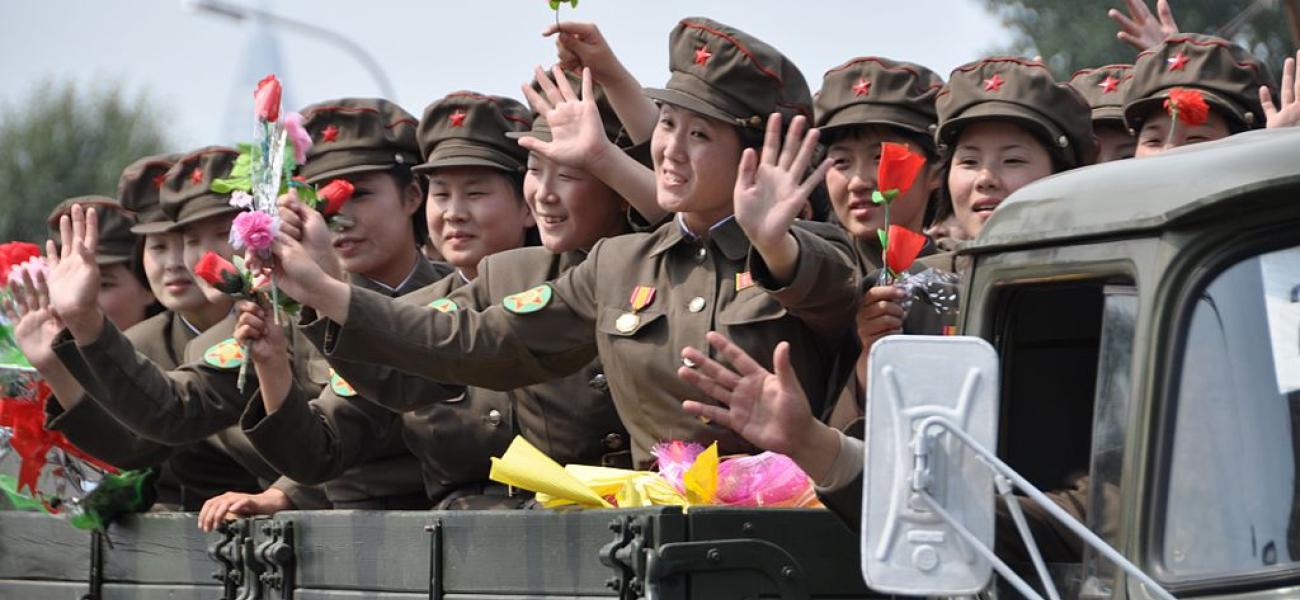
[(862, 87), (196, 176), (329, 134), (1178, 61), (458, 118), (158, 179), (702, 55), (1109, 84), (993, 83)]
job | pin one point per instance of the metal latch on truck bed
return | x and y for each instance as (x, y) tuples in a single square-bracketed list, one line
[(641, 562)]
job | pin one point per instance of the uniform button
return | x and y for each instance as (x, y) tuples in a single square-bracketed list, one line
[(494, 418), (613, 441), (701, 253), (696, 304), (599, 383), (688, 363)]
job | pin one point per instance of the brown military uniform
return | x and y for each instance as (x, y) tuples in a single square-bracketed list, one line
[(1228, 76), (639, 299), (189, 474), (199, 399)]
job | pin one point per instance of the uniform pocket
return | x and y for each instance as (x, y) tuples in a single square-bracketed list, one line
[(758, 307), (609, 322)]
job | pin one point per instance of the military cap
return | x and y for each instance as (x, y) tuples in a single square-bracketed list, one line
[(186, 193), (357, 135), (878, 91), (1022, 91), (727, 74), (139, 188), (1226, 74), (468, 129), (1103, 88), (608, 118), (116, 242)]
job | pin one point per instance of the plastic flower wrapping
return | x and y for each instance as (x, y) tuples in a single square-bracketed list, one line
[(689, 475), (53, 475)]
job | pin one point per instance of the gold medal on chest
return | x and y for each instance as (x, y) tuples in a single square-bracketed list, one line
[(627, 322)]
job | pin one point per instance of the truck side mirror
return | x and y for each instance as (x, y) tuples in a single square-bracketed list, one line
[(908, 547)]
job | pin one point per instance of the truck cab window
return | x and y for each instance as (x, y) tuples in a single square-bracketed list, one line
[(1230, 502)]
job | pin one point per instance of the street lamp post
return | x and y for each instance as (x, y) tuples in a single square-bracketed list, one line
[(241, 13)]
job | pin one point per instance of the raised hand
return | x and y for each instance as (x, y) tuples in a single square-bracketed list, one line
[(35, 324), (1140, 29), (74, 274), (1288, 115), (577, 133), (238, 504), (582, 45), (307, 226), (771, 190), (769, 410)]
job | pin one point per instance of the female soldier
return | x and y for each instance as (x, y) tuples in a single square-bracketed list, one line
[(191, 473), (371, 144), (862, 104), (637, 299), (474, 209)]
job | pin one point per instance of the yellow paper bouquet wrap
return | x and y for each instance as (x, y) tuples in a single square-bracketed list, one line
[(689, 475)]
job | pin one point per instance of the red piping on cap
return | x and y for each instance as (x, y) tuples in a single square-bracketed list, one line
[(738, 46)]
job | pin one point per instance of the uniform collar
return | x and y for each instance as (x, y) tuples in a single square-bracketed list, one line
[(725, 234), (422, 273)]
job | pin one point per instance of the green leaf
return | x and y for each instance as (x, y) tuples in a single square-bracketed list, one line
[(573, 3), (555, 4), (225, 186), (307, 194), (877, 197), (884, 238)]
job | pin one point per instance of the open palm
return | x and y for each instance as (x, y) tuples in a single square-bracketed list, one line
[(577, 132), (767, 409), (74, 274), (771, 189), (35, 324)]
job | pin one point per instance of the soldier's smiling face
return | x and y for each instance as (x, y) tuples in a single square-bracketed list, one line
[(474, 212), (855, 156), (208, 235), (572, 208), (695, 160), (991, 159)]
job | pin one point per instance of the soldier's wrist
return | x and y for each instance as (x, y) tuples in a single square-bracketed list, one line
[(85, 326)]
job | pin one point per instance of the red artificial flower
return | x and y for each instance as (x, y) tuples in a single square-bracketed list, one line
[(219, 273), (335, 194), (1188, 106), (904, 246), (266, 99), (13, 254), (897, 171)]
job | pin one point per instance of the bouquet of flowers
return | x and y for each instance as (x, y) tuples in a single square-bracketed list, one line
[(900, 246), (689, 475)]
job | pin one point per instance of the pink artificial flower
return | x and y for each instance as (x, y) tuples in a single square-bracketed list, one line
[(298, 136), (674, 459), (254, 230)]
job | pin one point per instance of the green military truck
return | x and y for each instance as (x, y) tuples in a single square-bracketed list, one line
[(1138, 323)]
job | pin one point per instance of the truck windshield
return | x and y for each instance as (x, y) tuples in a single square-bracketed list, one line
[(1232, 506)]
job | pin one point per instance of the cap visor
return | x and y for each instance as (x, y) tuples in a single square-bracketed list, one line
[(1137, 110), (342, 172), (465, 161), (206, 213), (688, 102), (879, 114), (153, 227)]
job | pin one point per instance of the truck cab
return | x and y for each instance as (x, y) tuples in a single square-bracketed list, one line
[(1145, 316)]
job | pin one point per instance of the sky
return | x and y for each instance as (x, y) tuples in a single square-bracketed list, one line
[(195, 66)]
